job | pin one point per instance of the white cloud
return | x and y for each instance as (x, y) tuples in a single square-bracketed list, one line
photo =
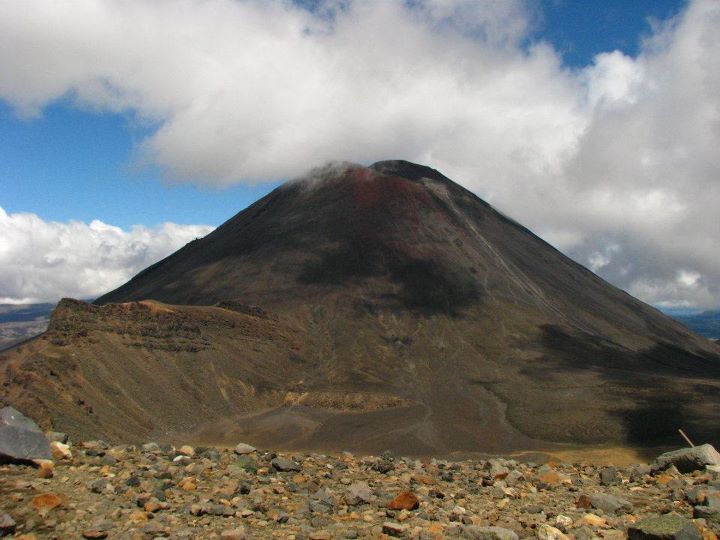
[(43, 261), (622, 152), (688, 278)]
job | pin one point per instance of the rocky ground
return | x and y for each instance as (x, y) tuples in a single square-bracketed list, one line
[(92, 490)]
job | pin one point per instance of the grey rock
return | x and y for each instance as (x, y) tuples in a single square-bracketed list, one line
[(358, 493), (282, 517), (56, 436), (94, 452), (243, 449), (667, 527), (488, 533), (513, 478), (150, 447), (709, 514), (498, 469), (688, 459), (209, 453), (98, 486), (609, 476), (21, 438), (247, 464), (704, 495), (167, 449), (285, 465), (383, 466), (212, 510), (638, 471), (220, 510), (319, 507), (320, 521), (609, 503), (394, 529), (244, 488), (325, 496), (582, 533), (712, 499), (7, 524)]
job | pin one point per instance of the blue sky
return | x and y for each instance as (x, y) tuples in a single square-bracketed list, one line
[(128, 128), (580, 29), (72, 164), (78, 164)]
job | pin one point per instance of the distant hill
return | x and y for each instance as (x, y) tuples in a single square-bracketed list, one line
[(706, 324), (19, 322)]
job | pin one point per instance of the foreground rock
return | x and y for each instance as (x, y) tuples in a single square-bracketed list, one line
[(667, 527), (20, 437), (689, 459), (158, 491)]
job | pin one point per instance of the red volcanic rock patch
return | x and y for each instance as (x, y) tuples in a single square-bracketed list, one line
[(371, 190)]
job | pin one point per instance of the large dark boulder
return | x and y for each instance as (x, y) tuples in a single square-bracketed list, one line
[(20, 438), (667, 527), (688, 459)]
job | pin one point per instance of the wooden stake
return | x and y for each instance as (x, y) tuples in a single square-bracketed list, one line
[(686, 438)]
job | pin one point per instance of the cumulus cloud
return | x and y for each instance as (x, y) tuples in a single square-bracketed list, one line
[(41, 261), (616, 163)]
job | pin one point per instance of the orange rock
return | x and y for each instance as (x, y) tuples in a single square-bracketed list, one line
[(427, 480), (551, 478), (46, 502), (707, 534), (188, 484), (138, 517), (407, 500), (46, 468), (593, 521), (663, 479), (584, 502), (60, 451), (152, 506)]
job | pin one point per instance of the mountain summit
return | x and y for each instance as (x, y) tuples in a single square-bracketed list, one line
[(377, 307)]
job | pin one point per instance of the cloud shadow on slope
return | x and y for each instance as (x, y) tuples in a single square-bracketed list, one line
[(669, 387)]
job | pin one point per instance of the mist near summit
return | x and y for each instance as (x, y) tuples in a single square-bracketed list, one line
[(615, 162)]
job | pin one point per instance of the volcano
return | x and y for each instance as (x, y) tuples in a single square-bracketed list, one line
[(366, 308)]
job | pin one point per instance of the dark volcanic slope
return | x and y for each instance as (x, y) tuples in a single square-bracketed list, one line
[(427, 322)]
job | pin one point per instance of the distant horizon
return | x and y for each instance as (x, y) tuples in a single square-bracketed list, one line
[(671, 311)]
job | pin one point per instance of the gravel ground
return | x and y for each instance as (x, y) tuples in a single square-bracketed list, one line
[(154, 491)]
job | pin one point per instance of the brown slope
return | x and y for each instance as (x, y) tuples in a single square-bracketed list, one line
[(454, 326)]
